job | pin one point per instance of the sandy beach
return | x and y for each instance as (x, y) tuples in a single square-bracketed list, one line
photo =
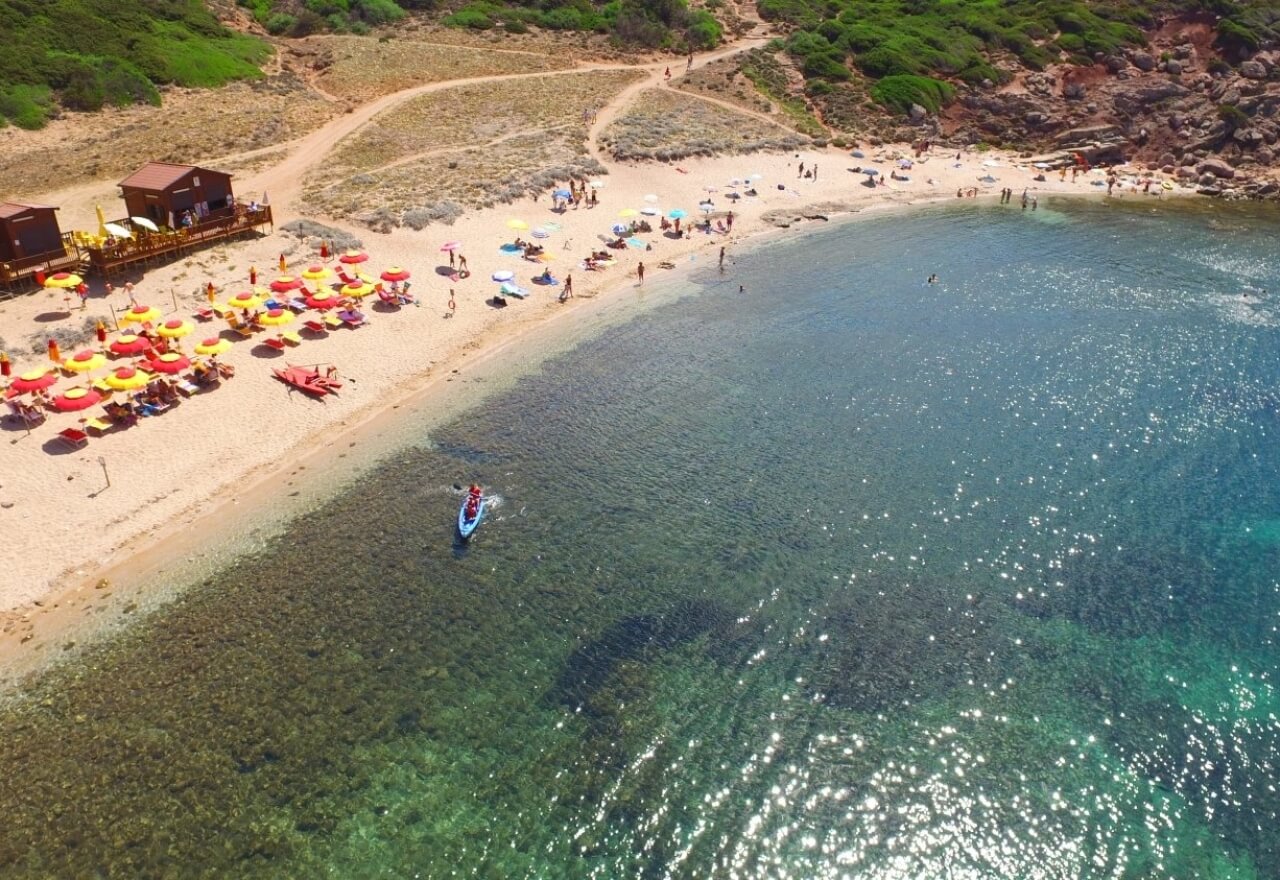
[(180, 483)]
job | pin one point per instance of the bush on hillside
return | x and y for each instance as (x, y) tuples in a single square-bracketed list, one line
[(901, 91)]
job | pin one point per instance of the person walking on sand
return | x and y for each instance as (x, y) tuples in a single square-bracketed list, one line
[(640, 273), (462, 264), (729, 221), (568, 288), (800, 173)]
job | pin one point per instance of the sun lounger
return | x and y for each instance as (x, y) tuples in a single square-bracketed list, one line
[(219, 309), (98, 427), (351, 318), (274, 342), (315, 327), (186, 387), (298, 305), (347, 279), (245, 330), (28, 414), (73, 437), (288, 337), (332, 322), (205, 314)]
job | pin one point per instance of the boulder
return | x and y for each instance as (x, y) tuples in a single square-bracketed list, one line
[(917, 113), (1252, 70), (1115, 63), (1216, 167), (1173, 66), (1185, 173), (1184, 52), (1143, 60), (1247, 137), (1073, 91), (1265, 155), (1167, 169), (1166, 159), (1207, 180)]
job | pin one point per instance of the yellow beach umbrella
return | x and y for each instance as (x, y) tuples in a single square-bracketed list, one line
[(316, 273), (102, 222), (246, 300), (65, 280), (176, 329), (627, 213), (127, 379), (213, 345), (276, 317), (514, 223), (140, 315), (357, 290), (84, 361)]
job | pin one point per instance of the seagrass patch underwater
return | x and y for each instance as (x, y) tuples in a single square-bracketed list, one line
[(844, 575)]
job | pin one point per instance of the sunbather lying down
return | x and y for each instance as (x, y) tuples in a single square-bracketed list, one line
[(666, 264)]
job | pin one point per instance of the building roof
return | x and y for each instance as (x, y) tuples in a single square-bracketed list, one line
[(161, 175), (13, 209)]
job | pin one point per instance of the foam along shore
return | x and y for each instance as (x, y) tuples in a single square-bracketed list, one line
[(175, 479)]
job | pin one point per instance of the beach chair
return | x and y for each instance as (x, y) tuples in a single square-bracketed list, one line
[(28, 414), (347, 279), (288, 337), (351, 318), (186, 387), (316, 327), (274, 342), (298, 305), (101, 386), (205, 314), (390, 299), (73, 437), (220, 310), (332, 322), (98, 427)]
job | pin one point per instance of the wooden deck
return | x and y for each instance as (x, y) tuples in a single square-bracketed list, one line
[(165, 245)]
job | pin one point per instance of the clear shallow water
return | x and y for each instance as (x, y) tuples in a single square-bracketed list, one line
[(844, 576)]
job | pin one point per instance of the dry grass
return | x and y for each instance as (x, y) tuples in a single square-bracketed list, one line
[(664, 124), (724, 80), (192, 126), (411, 162), (573, 45), (363, 68)]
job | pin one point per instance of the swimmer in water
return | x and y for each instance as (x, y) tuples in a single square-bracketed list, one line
[(933, 279)]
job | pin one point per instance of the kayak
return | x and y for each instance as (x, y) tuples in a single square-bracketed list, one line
[(467, 526)]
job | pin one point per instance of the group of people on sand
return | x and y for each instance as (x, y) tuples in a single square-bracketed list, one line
[(580, 193), (529, 250)]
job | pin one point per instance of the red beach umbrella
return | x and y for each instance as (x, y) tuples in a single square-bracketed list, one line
[(323, 299), (352, 257), (129, 343), (286, 283), (395, 273), (170, 362), (451, 246), (74, 399), (33, 380)]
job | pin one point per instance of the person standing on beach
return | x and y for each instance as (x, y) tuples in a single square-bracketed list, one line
[(815, 170), (640, 273), (800, 173), (729, 221), (721, 259), (462, 263), (451, 260)]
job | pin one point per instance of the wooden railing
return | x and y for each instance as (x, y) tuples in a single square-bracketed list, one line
[(168, 242), (20, 272)]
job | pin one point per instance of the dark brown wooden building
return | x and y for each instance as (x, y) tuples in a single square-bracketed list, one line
[(162, 192), (29, 235)]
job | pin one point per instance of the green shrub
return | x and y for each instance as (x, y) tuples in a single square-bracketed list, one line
[(26, 106), (901, 91), (1234, 35), (376, 12), (703, 31), (1233, 116), (280, 23), (468, 18)]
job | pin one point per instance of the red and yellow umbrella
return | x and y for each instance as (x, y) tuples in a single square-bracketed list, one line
[(395, 273), (64, 280), (33, 380), (170, 362), (213, 345), (276, 317), (76, 399), (353, 256), (316, 273), (176, 329), (84, 361), (323, 299), (128, 343), (140, 315), (286, 283), (127, 379), (246, 300), (358, 289)]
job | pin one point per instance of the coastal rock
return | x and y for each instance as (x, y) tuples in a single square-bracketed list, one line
[(1184, 52), (1074, 91), (1143, 61), (1207, 180), (1173, 67), (1166, 159), (1115, 63), (1247, 137), (917, 113), (1186, 173), (1209, 191), (1253, 70), (1217, 168)]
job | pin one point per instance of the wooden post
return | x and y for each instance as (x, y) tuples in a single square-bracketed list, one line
[(102, 461)]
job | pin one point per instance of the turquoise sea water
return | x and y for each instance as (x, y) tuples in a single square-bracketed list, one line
[(845, 575)]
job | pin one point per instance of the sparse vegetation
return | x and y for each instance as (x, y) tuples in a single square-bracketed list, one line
[(666, 125)]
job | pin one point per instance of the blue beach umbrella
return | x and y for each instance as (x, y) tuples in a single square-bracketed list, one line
[(677, 214), (562, 194), (871, 172), (619, 228)]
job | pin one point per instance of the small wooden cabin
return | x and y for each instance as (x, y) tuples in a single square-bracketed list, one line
[(29, 234), (161, 192)]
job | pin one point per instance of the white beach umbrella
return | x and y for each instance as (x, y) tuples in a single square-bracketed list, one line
[(651, 199)]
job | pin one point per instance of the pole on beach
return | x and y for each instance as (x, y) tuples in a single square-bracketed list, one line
[(173, 294), (102, 461)]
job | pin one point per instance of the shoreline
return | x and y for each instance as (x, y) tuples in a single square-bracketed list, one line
[(76, 611)]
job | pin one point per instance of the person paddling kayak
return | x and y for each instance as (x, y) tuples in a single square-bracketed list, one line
[(473, 501)]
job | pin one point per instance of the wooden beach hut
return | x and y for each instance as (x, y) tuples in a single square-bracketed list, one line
[(162, 192), (30, 235)]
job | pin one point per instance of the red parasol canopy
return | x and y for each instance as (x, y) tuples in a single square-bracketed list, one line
[(33, 380), (171, 362), (76, 399)]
